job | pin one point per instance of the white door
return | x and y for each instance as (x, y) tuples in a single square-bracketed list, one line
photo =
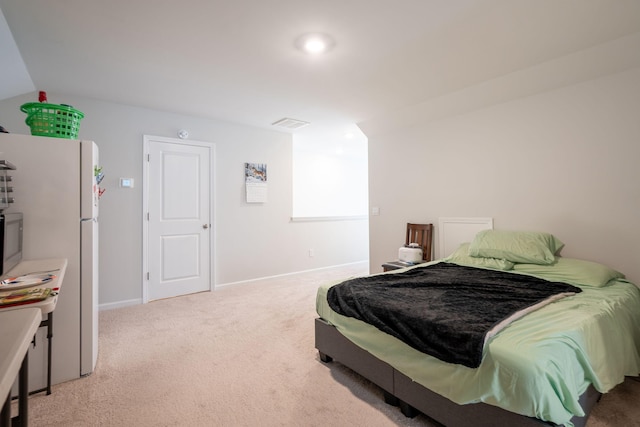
[(179, 218)]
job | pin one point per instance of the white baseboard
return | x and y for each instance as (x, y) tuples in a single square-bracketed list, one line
[(127, 303), (119, 304), (291, 274)]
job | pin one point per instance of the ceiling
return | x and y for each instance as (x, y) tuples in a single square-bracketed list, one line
[(237, 60)]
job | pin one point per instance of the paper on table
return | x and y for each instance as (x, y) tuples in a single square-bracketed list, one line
[(24, 296), (26, 281)]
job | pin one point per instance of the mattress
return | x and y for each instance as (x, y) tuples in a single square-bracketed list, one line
[(539, 365)]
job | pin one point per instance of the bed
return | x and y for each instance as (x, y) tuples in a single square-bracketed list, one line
[(548, 367)]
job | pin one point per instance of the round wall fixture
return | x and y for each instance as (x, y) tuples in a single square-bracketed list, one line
[(315, 43), (183, 134)]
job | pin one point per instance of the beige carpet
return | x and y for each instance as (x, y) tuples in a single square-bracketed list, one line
[(240, 356)]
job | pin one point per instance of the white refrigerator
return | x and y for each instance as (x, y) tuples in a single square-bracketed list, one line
[(56, 189)]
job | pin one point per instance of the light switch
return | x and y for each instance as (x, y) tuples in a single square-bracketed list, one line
[(126, 182)]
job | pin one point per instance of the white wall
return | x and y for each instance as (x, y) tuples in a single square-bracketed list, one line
[(563, 161), (252, 241)]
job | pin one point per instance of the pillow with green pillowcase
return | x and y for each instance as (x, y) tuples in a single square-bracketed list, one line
[(516, 246), (573, 271), (461, 256)]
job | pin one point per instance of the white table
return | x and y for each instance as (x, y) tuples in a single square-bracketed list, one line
[(17, 329), (46, 307), (54, 266)]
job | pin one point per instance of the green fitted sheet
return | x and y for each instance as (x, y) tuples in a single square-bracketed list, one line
[(539, 365)]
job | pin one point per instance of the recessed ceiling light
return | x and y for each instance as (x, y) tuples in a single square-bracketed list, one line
[(315, 43)]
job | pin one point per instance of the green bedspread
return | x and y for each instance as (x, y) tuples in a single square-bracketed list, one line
[(539, 365)]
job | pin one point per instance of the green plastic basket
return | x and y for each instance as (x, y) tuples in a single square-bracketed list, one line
[(58, 121)]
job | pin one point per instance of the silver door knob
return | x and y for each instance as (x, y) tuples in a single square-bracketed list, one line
[(205, 226)]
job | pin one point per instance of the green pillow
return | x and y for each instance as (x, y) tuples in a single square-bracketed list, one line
[(572, 271), (461, 256), (516, 246)]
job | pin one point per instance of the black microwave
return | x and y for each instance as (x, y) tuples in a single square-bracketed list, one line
[(11, 239)]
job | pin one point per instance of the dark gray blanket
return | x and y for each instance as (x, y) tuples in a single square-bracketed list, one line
[(444, 309)]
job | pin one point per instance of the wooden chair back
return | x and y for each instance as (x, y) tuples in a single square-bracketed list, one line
[(421, 234)]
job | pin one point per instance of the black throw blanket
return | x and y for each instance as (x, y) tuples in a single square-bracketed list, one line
[(444, 309)]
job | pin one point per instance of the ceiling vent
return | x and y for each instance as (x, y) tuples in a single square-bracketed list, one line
[(290, 123)]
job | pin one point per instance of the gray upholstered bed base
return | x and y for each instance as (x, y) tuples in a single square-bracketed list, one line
[(413, 398)]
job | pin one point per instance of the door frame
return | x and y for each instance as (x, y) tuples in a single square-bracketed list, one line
[(147, 139)]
